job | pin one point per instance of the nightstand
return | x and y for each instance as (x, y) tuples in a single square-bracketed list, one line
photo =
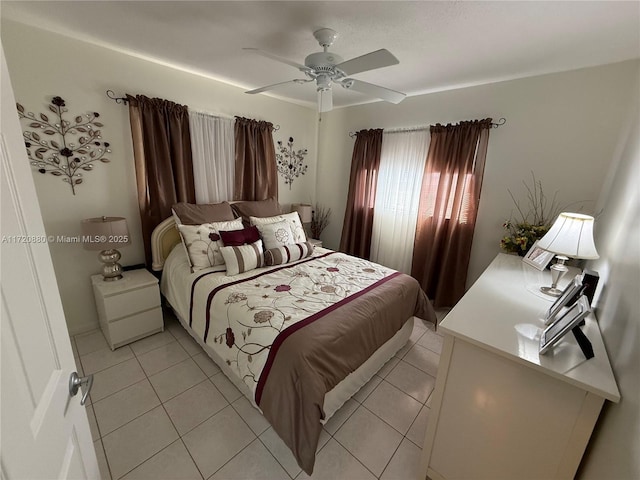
[(128, 309), (314, 242)]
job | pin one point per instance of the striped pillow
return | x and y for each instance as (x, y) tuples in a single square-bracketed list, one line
[(243, 258), (287, 253)]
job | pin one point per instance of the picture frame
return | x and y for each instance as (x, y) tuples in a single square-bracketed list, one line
[(538, 257), (566, 298), (565, 322)]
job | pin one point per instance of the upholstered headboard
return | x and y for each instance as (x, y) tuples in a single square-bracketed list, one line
[(163, 238)]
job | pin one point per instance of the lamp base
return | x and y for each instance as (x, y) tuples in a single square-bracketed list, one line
[(558, 269), (111, 270), (552, 291)]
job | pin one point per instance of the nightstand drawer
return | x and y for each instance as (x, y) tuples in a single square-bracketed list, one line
[(127, 303), (129, 329)]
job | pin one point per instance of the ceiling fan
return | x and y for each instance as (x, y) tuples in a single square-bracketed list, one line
[(325, 68)]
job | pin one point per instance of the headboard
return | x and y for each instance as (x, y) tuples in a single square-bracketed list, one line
[(163, 238)]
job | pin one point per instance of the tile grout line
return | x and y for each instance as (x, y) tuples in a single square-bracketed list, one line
[(357, 459), (104, 452), (387, 423), (270, 453)]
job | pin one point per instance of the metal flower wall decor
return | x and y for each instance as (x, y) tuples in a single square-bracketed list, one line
[(63, 148), (290, 162)]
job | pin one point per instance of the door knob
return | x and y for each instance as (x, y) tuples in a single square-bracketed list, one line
[(75, 382)]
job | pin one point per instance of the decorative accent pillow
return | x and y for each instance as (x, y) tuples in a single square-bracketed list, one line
[(287, 253), (294, 222), (243, 258), (276, 234), (235, 238), (197, 214), (203, 242), (256, 208)]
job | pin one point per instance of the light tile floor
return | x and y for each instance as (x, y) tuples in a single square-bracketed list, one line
[(161, 409)]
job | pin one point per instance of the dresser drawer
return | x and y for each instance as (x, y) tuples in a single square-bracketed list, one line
[(129, 329), (128, 303)]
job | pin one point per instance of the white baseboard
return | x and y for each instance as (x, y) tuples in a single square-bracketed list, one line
[(83, 328)]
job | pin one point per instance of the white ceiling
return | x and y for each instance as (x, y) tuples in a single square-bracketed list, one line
[(440, 45)]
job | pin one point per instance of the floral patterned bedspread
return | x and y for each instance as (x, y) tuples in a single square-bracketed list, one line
[(241, 318)]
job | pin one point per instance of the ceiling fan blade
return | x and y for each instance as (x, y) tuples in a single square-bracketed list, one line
[(370, 61), (271, 87), (325, 100), (383, 93), (299, 66)]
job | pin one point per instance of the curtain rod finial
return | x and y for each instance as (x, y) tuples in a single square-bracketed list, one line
[(112, 95), (499, 123)]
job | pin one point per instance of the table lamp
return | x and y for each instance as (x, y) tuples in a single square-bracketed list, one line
[(571, 236), (305, 212), (105, 234)]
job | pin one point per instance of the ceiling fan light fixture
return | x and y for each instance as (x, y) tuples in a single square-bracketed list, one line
[(325, 99), (323, 81)]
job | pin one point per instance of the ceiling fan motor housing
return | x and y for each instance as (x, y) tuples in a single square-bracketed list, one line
[(323, 61)]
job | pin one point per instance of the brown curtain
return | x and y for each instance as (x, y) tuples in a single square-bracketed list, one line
[(448, 208), (256, 170), (358, 216), (162, 152)]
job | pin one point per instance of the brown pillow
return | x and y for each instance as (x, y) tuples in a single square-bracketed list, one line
[(257, 208), (192, 214)]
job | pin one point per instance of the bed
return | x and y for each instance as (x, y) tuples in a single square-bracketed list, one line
[(297, 339)]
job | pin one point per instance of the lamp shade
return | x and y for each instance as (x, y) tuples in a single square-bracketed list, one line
[(104, 233), (571, 235), (304, 211)]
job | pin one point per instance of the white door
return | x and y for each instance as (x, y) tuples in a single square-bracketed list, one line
[(44, 431)]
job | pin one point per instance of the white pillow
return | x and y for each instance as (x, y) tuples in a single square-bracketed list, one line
[(276, 234), (294, 220), (243, 258), (203, 242)]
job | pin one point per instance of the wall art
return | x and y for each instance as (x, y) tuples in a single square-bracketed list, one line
[(290, 161), (61, 147)]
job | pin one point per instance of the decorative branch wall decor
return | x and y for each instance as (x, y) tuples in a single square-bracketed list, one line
[(290, 162), (63, 148)]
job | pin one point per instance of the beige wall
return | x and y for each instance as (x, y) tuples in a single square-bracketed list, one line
[(613, 453), (563, 127), (42, 65)]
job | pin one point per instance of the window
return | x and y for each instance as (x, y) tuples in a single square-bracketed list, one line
[(448, 186)]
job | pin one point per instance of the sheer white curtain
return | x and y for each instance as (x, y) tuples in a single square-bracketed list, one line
[(397, 197), (213, 151)]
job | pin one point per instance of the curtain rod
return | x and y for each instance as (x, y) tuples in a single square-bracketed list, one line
[(123, 100), (497, 124)]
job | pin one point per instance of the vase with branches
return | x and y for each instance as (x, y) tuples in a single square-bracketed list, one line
[(319, 220), (63, 148), (533, 220)]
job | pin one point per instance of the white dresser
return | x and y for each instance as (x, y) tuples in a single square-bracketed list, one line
[(500, 410), (128, 309)]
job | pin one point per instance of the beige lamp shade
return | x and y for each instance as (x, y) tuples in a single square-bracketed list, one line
[(304, 210), (104, 233), (572, 236)]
